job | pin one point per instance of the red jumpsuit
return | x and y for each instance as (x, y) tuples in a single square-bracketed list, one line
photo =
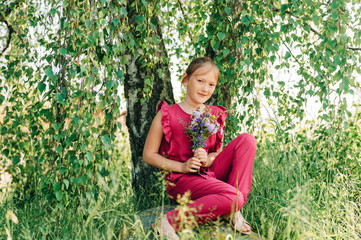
[(213, 190)]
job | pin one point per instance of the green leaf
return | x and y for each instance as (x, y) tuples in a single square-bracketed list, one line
[(221, 36), (72, 159), (41, 86), (245, 20), (244, 39), (4, 130), (288, 55), (102, 104), (62, 51), (49, 72), (284, 28), (56, 187), (58, 195), (214, 44), (343, 38), (110, 84), (139, 19), (226, 52), (228, 10), (267, 93), (59, 149), (63, 170), (105, 140), (6, 152), (284, 7), (81, 180), (2, 98), (248, 61), (49, 196), (90, 38), (119, 125), (89, 156), (87, 23), (247, 51), (16, 159), (115, 21), (77, 181), (56, 126), (123, 11), (84, 178), (120, 74), (316, 19), (66, 183), (59, 97), (123, 60), (53, 11), (155, 39), (273, 58)]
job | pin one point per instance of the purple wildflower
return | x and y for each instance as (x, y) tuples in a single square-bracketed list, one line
[(197, 114), (201, 127), (212, 128)]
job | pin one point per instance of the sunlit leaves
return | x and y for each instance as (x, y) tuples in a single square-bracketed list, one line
[(62, 118), (72, 113)]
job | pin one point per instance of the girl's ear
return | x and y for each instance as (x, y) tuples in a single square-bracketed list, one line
[(185, 79)]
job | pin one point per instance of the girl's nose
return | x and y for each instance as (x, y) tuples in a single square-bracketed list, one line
[(205, 87)]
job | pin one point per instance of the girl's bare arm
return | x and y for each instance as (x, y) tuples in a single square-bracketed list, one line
[(152, 157)]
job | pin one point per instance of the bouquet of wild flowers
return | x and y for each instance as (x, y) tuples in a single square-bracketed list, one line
[(201, 127)]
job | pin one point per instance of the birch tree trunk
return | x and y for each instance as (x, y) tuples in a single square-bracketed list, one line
[(141, 108)]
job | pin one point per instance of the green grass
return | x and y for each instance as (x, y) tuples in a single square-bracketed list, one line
[(296, 194)]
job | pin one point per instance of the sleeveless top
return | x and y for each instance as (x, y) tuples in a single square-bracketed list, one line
[(176, 144)]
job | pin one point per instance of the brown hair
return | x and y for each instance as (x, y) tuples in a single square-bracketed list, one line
[(198, 63)]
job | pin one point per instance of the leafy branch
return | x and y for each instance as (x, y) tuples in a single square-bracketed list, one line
[(184, 14), (4, 13), (310, 27)]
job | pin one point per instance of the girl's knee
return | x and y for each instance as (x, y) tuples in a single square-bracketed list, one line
[(230, 200), (248, 139), (235, 200)]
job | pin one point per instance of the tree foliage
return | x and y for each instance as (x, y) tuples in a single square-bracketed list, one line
[(62, 63), (60, 98)]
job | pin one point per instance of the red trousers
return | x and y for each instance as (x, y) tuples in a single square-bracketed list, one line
[(215, 194)]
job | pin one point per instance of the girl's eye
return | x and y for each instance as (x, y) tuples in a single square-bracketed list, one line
[(212, 85), (199, 80)]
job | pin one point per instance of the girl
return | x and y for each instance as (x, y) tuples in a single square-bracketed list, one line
[(217, 180)]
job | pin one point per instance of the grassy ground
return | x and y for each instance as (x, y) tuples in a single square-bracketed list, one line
[(291, 198)]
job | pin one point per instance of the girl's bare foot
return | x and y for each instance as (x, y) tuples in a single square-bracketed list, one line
[(164, 229), (239, 223)]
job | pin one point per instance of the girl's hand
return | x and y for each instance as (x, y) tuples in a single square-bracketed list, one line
[(202, 155), (192, 165)]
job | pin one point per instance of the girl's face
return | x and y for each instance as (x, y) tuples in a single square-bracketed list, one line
[(200, 85)]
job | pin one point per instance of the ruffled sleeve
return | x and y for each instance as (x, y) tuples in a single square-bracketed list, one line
[(221, 120), (163, 106)]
